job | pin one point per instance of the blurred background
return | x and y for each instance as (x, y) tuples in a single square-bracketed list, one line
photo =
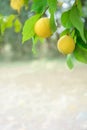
[(38, 91)]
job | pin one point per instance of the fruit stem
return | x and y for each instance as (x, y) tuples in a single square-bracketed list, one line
[(76, 2), (45, 10), (72, 30)]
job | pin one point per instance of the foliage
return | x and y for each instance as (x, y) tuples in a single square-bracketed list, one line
[(72, 20), (28, 30), (8, 22)]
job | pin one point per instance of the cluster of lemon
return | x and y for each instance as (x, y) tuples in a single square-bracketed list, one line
[(65, 44)]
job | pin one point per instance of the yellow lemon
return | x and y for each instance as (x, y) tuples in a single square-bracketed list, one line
[(17, 4), (66, 44), (42, 27)]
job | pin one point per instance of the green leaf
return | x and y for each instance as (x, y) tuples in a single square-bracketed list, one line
[(39, 6), (52, 6), (28, 29), (85, 33), (80, 52), (79, 6), (3, 27), (9, 21), (35, 40), (52, 23), (65, 19), (17, 25), (52, 9), (81, 44), (69, 61), (77, 22)]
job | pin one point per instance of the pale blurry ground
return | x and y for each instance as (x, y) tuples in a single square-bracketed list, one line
[(43, 96)]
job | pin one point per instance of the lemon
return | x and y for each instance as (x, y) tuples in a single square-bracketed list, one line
[(17, 4), (66, 44), (42, 27)]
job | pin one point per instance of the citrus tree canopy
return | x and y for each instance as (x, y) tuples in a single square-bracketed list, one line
[(46, 18)]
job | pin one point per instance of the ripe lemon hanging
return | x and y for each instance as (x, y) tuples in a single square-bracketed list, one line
[(42, 27), (66, 44), (17, 4)]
